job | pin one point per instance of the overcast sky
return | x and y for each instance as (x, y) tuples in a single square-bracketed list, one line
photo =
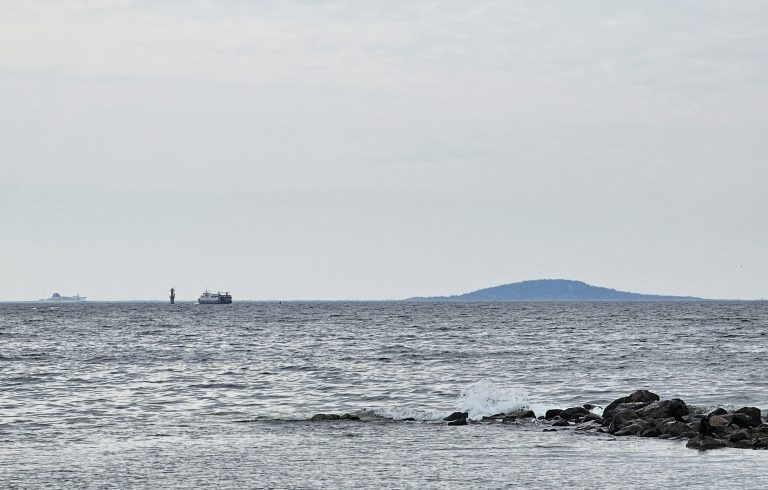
[(374, 150)]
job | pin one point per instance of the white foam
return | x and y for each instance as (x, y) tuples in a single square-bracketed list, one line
[(485, 398)]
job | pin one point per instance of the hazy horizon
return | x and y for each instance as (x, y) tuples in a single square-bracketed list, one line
[(367, 150)]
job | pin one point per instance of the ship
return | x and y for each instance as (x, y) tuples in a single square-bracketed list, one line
[(58, 298), (218, 298)]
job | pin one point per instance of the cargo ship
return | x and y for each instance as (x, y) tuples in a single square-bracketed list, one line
[(57, 298), (218, 298)]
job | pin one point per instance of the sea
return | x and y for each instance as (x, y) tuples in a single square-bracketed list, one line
[(149, 395)]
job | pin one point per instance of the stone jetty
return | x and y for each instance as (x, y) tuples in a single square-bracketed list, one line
[(644, 414)]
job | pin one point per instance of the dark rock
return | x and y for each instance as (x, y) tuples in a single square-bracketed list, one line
[(704, 443), (409, 419), (675, 429), (704, 428), (549, 430), (325, 416), (349, 416), (717, 411), (650, 432), (607, 417), (589, 406), (718, 421), (662, 409), (569, 413), (552, 413), (559, 422), (744, 444), (740, 420), (739, 435), (589, 425), (621, 419), (592, 416), (457, 416), (639, 396), (753, 412), (523, 414), (629, 430), (458, 422)]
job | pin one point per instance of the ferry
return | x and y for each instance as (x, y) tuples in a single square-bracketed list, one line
[(218, 298), (58, 298)]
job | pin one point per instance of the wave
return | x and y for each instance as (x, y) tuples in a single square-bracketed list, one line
[(484, 398)]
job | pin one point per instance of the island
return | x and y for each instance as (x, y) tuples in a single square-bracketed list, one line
[(553, 290)]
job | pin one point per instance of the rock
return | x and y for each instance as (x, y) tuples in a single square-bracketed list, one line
[(704, 443), (559, 422), (523, 414), (662, 409), (458, 422), (675, 429), (740, 419), (552, 413), (650, 432), (592, 416), (549, 430), (608, 416), (570, 413), (639, 396), (589, 406), (325, 416), (621, 419), (739, 435), (718, 421), (457, 416), (717, 411), (630, 430), (590, 425), (332, 416), (753, 412)]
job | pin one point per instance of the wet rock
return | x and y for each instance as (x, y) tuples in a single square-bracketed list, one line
[(704, 443), (589, 406), (662, 409), (621, 419), (457, 416), (608, 416), (753, 412), (458, 422), (630, 430), (549, 430), (742, 420), (592, 416), (675, 429), (739, 435), (589, 425), (522, 414), (552, 413), (560, 422), (639, 396), (325, 416), (650, 432), (332, 416), (572, 412), (717, 411)]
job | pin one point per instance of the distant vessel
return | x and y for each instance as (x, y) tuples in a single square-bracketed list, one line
[(57, 298), (218, 298)]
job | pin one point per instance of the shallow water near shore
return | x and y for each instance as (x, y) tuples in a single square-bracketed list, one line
[(116, 395)]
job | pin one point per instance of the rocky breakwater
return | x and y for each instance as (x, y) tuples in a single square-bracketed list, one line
[(644, 414)]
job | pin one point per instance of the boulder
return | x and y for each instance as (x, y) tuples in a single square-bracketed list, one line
[(589, 425), (650, 432), (592, 416), (740, 420), (552, 413), (739, 435), (456, 416), (718, 421), (675, 429), (704, 443), (458, 422), (662, 409), (621, 419), (639, 396), (717, 411), (753, 412), (629, 430), (572, 412), (333, 416), (559, 422)]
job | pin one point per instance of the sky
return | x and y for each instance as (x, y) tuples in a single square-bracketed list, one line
[(382, 150)]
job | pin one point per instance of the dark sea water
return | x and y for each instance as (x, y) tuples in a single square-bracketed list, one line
[(153, 395)]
